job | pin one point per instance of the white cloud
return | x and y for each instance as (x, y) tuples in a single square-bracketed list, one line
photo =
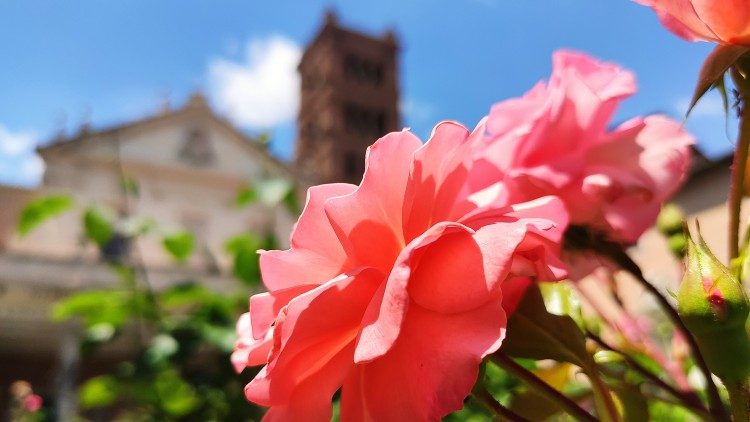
[(415, 111), (19, 162), (15, 143), (31, 168), (711, 105), (263, 90)]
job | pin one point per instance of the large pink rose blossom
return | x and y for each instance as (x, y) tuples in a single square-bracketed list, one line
[(555, 141), (719, 21), (394, 290)]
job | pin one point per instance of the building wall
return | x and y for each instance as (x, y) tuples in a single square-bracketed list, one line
[(175, 194), (175, 189), (703, 198)]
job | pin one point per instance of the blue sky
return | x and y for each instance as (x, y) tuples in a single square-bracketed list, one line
[(106, 62)]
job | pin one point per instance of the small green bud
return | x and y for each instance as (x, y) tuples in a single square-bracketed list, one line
[(714, 307), (670, 220), (677, 244)]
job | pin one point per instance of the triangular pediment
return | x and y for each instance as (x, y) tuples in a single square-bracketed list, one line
[(192, 138)]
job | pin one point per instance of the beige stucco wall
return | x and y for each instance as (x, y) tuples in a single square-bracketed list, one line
[(173, 193), (38, 269)]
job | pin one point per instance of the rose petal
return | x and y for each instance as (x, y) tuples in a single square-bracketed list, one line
[(316, 254), (430, 369), (368, 222)]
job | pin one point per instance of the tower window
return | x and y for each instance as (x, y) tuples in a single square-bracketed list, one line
[(380, 122), (363, 121), (363, 70), (352, 166)]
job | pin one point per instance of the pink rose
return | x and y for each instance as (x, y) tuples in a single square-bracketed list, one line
[(32, 403), (394, 290), (719, 21), (555, 141)]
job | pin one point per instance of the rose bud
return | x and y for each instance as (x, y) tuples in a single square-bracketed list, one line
[(714, 307)]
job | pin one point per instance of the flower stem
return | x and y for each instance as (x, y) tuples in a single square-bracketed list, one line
[(739, 399), (687, 399), (623, 260), (501, 412), (579, 238), (739, 164), (536, 384)]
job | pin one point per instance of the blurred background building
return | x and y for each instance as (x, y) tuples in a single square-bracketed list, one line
[(183, 168), (349, 97)]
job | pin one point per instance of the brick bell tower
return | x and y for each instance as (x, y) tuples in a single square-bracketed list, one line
[(349, 98)]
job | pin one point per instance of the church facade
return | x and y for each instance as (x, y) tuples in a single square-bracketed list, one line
[(188, 165)]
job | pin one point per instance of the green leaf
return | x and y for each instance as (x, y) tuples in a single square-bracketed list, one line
[(139, 226), (537, 334), (100, 332), (272, 192), (243, 249), (221, 337), (162, 347), (180, 245), (98, 227), (246, 196), (534, 406), (130, 186), (660, 411), (712, 72), (246, 266), (241, 242), (184, 294), (176, 397), (269, 192), (99, 392), (95, 307), (40, 210), (607, 356), (634, 404)]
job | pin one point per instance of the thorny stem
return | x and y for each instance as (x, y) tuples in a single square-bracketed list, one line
[(739, 398), (501, 412), (578, 238), (739, 164), (536, 384), (690, 400), (715, 404)]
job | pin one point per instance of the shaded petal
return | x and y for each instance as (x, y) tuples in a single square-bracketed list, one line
[(533, 229), (249, 351), (264, 307), (310, 332), (430, 369), (514, 290), (728, 19), (311, 399), (316, 254), (629, 193), (590, 91), (680, 17), (368, 222), (436, 185), (462, 271), (382, 321)]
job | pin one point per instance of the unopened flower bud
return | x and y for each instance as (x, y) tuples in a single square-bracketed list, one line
[(714, 307), (669, 221), (677, 244)]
